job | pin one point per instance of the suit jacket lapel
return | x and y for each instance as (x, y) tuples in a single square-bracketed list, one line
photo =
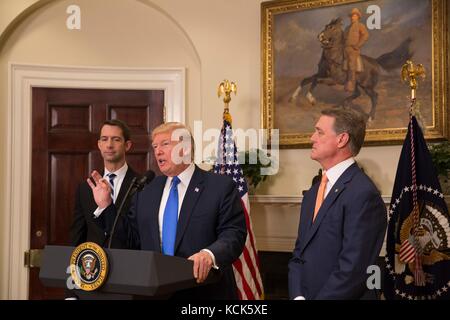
[(309, 201), (152, 205), (331, 197), (191, 197)]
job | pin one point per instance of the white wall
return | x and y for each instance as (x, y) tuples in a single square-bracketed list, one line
[(213, 39)]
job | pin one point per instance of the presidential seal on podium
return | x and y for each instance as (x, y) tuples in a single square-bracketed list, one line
[(89, 266)]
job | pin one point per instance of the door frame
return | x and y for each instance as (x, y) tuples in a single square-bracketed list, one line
[(21, 79)]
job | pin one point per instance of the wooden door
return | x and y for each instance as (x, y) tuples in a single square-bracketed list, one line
[(66, 126)]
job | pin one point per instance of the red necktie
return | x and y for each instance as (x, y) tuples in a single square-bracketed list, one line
[(320, 194)]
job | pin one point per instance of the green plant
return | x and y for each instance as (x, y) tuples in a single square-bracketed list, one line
[(440, 154), (251, 162)]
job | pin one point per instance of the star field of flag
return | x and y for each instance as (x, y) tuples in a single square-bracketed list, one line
[(227, 161)]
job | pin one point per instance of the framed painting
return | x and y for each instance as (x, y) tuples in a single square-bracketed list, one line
[(306, 65)]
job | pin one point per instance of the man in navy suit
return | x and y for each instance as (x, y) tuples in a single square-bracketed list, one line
[(342, 219), (208, 226)]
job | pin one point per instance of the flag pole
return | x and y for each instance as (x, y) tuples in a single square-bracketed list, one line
[(411, 73)]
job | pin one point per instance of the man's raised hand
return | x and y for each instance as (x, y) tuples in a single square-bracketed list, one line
[(100, 189)]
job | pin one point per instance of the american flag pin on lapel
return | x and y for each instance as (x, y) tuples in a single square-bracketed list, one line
[(196, 189)]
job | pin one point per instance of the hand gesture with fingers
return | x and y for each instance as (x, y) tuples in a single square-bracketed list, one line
[(101, 190)]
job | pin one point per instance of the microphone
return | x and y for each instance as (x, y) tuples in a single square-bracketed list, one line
[(144, 180), (136, 185)]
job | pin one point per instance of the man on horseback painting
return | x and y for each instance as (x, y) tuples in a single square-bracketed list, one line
[(342, 64), (356, 36)]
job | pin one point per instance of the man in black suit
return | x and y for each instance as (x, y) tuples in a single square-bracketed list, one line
[(113, 143), (188, 212)]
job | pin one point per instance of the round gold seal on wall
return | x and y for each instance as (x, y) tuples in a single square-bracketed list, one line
[(88, 266)]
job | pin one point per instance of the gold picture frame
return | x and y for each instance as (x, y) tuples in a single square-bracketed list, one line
[(291, 52)]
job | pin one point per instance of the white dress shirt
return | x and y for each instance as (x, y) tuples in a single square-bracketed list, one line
[(334, 173), (185, 178)]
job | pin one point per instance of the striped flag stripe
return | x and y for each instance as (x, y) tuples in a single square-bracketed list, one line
[(250, 271), (407, 259), (407, 251), (254, 271), (251, 255), (238, 279), (407, 255), (245, 288), (255, 254), (248, 277)]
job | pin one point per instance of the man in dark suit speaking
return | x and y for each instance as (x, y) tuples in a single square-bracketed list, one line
[(187, 212), (113, 143), (342, 219)]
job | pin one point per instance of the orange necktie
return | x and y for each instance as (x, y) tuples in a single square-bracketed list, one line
[(320, 194)]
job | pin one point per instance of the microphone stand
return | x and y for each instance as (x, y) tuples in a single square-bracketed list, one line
[(119, 210)]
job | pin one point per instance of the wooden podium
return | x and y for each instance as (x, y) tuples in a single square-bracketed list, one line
[(132, 274)]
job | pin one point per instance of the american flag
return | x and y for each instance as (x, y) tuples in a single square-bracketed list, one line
[(246, 268)]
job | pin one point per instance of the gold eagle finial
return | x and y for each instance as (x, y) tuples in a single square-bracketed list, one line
[(411, 73), (226, 88)]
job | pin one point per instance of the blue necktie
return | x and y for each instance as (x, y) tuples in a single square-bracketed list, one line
[(111, 177), (170, 220)]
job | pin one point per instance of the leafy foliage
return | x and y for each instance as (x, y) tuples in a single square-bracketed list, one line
[(252, 161), (440, 153)]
